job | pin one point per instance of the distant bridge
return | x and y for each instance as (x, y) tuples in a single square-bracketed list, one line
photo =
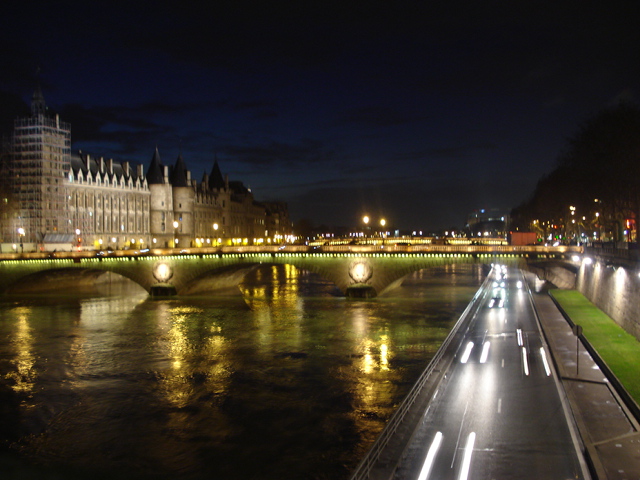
[(357, 270)]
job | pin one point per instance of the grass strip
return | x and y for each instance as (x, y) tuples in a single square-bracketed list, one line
[(619, 349)]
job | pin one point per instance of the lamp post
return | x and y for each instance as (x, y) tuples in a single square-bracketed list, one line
[(21, 233), (365, 220), (175, 234), (215, 232), (78, 238)]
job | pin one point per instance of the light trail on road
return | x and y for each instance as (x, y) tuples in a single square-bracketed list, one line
[(502, 398)]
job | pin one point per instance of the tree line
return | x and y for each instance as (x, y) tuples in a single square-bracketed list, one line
[(593, 194)]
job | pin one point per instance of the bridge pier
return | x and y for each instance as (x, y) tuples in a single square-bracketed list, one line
[(162, 290), (361, 291)]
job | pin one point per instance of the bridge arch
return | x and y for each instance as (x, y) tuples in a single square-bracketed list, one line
[(355, 273)]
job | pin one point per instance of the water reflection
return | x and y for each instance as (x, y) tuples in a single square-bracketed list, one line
[(23, 375), (288, 382)]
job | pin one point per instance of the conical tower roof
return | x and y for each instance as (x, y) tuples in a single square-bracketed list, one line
[(179, 173), (38, 106), (216, 180), (155, 174)]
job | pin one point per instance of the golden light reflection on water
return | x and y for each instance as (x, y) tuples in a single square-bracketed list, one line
[(272, 286), (178, 394), (24, 375), (375, 354), (201, 379), (384, 353), (192, 356)]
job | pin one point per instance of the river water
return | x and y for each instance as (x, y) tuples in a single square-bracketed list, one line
[(287, 381)]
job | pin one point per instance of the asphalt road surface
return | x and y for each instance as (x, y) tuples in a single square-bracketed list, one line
[(497, 413)]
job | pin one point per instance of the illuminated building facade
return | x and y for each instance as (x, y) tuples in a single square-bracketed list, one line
[(488, 222), (36, 166), (92, 203)]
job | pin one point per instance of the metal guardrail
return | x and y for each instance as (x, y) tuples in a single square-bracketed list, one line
[(365, 466), (614, 252)]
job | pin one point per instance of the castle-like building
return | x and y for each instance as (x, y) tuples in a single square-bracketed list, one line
[(51, 196)]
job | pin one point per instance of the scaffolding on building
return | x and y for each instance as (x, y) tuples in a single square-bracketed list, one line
[(39, 160)]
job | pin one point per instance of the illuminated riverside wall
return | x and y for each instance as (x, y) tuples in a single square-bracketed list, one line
[(615, 290), (560, 275)]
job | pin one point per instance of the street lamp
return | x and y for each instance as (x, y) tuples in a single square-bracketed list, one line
[(365, 219), (175, 233), (215, 230), (78, 238), (21, 233)]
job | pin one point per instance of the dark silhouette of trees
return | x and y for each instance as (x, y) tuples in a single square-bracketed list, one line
[(596, 185)]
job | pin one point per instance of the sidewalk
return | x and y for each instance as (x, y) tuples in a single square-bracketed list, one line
[(609, 431)]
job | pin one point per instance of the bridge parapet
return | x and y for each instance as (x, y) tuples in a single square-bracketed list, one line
[(357, 270), (365, 248), (626, 255)]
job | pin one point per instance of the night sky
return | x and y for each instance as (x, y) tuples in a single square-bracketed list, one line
[(417, 111)]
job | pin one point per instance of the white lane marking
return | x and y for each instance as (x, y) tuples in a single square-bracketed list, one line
[(467, 352), (519, 335), (459, 434), (524, 361), (503, 363), (466, 461), (544, 360), (485, 352), (500, 405), (431, 455)]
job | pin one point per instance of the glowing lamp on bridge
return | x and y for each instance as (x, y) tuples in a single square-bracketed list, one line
[(360, 271), (162, 272)]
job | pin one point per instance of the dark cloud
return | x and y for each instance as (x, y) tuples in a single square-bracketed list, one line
[(107, 124), (275, 154), (378, 116)]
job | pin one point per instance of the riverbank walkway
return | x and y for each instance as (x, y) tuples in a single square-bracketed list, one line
[(608, 427)]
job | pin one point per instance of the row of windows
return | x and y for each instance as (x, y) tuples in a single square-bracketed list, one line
[(85, 199), (122, 184)]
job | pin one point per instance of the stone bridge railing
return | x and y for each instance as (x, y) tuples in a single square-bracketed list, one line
[(357, 270)]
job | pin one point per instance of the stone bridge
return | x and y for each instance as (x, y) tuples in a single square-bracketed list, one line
[(358, 271)]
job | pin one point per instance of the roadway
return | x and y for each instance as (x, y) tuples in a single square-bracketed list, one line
[(497, 413)]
